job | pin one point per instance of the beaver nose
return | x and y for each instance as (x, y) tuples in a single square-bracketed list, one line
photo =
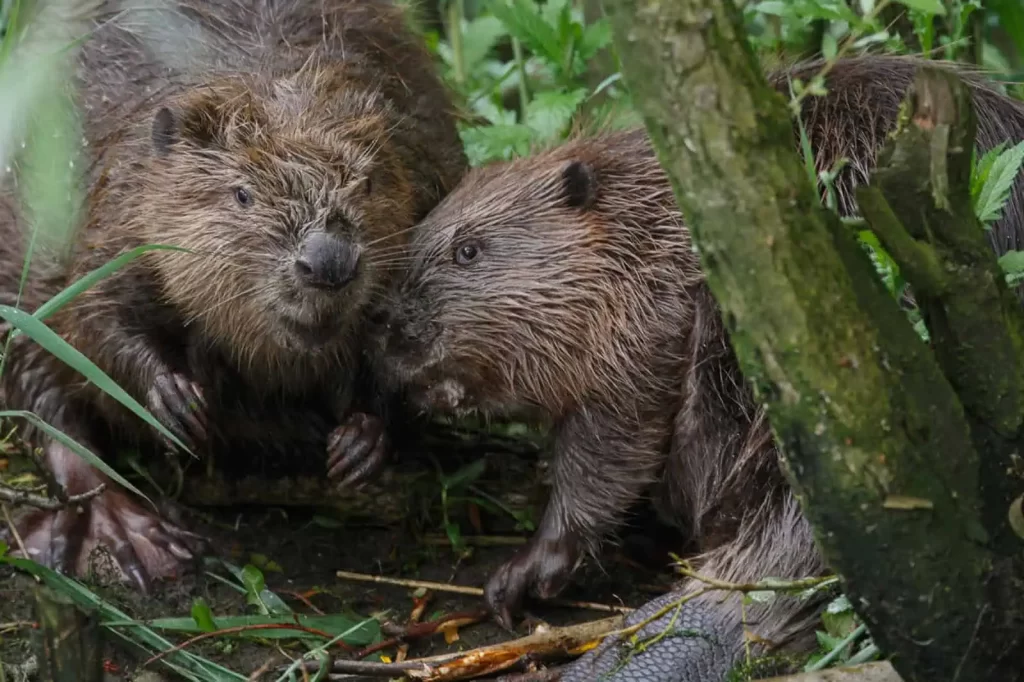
[(326, 261)]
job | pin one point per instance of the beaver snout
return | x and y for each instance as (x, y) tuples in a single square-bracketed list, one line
[(326, 261)]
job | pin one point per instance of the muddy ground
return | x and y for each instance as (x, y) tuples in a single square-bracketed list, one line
[(394, 529)]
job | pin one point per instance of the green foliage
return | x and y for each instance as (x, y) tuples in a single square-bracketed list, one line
[(536, 94), (992, 178)]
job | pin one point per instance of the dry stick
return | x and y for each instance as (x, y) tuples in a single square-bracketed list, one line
[(547, 641), (14, 532), (23, 497), (475, 591), (418, 630)]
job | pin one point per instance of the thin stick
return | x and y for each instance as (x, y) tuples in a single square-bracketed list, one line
[(23, 497), (14, 533), (474, 591)]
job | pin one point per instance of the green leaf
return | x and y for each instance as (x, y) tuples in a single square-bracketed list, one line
[(465, 475), (596, 37), (929, 6), (251, 577), (550, 113), (76, 447), (3, 550), (995, 174), (50, 341), (1012, 263), (524, 21), (497, 142), (479, 37), (362, 631), (201, 616)]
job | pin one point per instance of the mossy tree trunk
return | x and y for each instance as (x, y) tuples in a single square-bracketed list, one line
[(900, 455)]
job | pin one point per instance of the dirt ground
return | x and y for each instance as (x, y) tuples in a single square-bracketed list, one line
[(395, 530)]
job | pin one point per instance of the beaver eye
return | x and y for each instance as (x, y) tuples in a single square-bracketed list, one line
[(243, 197), (466, 253)]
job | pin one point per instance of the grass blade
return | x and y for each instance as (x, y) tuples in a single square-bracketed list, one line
[(75, 446), (62, 298), (187, 665), (71, 356)]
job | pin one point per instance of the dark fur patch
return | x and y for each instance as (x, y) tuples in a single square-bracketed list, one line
[(580, 184)]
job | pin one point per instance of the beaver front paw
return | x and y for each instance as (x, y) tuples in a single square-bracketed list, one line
[(179, 405), (542, 569), (142, 546), (357, 450)]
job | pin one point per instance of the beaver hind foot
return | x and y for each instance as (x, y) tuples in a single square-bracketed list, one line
[(142, 546), (687, 644)]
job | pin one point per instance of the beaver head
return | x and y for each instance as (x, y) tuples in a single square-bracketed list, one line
[(288, 201), (540, 281)]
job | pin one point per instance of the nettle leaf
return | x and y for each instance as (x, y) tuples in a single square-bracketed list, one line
[(479, 36), (524, 21), (596, 37), (1012, 263), (496, 142), (994, 176), (549, 113), (929, 6)]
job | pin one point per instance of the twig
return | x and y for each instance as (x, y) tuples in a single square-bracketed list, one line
[(488, 659), (25, 498), (773, 585), (419, 630), (474, 591), (14, 531)]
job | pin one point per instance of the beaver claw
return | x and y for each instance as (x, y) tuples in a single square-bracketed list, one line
[(179, 405), (357, 450), (143, 546), (542, 569)]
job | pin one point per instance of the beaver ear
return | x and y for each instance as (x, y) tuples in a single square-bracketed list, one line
[(580, 184), (171, 126), (165, 131)]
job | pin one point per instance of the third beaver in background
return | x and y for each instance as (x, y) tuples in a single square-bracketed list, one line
[(564, 286), (287, 146)]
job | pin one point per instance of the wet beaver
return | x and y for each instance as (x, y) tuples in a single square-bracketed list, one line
[(563, 286), (288, 146)]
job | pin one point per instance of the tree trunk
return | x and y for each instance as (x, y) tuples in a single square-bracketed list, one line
[(874, 437)]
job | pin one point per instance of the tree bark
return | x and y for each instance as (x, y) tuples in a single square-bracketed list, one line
[(874, 439)]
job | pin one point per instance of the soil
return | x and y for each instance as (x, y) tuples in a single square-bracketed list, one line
[(400, 533)]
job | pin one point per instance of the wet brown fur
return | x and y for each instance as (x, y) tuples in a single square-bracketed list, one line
[(330, 115), (586, 306)]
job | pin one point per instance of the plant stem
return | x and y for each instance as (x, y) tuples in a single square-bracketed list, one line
[(524, 91), (455, 13)]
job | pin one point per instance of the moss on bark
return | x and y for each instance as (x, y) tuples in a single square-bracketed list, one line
[(875, 439)]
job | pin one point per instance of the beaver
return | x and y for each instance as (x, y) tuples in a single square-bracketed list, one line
[(285, 148), (563, 286)]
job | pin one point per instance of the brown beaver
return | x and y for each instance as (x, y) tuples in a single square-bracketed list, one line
[(564, 286), (288, 146)]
